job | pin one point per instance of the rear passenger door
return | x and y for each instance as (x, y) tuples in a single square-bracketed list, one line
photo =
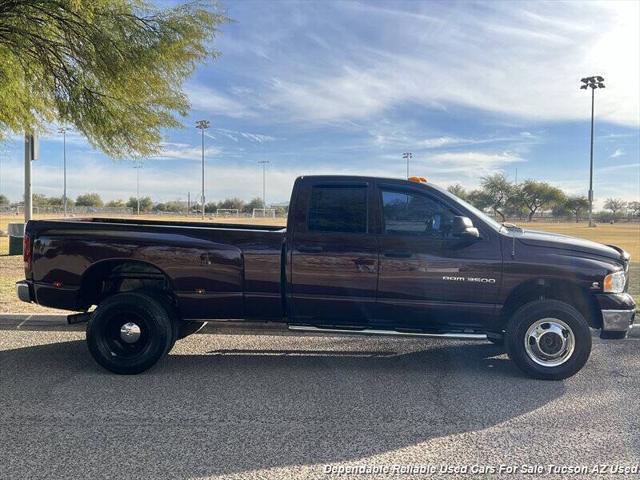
[(334, 257)]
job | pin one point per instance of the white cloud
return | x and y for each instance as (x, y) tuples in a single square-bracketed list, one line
[(618, 153), (625, 166), (473, 164), (521, 59), (203, 98), (237, 135), (184, 151)]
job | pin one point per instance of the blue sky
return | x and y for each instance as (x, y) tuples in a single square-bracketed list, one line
[(347, 87)]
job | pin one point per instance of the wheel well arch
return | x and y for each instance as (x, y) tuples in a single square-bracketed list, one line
[(554, 289), (107, 277)]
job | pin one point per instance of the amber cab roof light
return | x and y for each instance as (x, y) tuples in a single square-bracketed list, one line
[(417, 179)]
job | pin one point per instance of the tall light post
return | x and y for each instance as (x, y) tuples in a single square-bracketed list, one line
[(407, 156), (203, 125), (591, 82), (30, 154), (264, 184), (63, 131), (138, 166)]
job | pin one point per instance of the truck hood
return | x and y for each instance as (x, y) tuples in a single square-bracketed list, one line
[(565, 242)]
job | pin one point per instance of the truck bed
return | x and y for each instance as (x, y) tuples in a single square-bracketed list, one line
[(215, 270)]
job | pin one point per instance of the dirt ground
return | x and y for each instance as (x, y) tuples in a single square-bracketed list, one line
[(624, 235)]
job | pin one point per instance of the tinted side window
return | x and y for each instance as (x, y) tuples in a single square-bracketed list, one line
[(338, 209), (415, 214)]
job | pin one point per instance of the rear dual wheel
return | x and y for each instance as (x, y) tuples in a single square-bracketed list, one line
[(129, 332)]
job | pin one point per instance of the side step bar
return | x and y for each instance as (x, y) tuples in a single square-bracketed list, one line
[(368, 331)]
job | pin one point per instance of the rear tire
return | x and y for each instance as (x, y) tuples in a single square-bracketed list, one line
[(548, 339), (129, 332)]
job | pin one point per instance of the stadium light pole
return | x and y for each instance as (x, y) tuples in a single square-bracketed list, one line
[(63, 131), (264, 184), (138, 166), (591, 82), (203, 125), (407, 156)]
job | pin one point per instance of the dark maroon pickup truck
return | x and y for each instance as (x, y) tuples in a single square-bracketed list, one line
[(359, 255)]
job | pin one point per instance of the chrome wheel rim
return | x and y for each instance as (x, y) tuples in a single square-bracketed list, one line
[(549, 342), (126, 337), (130, 332)]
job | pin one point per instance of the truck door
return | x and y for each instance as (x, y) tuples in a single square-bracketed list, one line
[(427, 278), (334, 258)]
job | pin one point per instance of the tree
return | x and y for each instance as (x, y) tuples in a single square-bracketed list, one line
[(577, 205), (496, 191), (634, 208), (145, 204), (616, 206), (112, 69), (4, 200), (232, 203), (89, 200), (39, 200), (536, 195), (254, 203), (479, 199), (173, 206), (58, 202), (116, 204), (458, 190)]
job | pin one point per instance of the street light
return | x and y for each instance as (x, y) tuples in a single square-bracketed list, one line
[(203, 125), (138, 166), (63, 131), (591, 82), (407, 156), (264, 184)]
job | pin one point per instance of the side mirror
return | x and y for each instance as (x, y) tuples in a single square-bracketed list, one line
[(463, 229)]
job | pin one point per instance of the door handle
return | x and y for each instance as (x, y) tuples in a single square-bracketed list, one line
[(310, 249), (395, 254)]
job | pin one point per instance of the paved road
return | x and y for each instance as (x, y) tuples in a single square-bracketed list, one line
[(274, 406)]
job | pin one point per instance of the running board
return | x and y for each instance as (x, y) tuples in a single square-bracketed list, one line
[(367, 331)]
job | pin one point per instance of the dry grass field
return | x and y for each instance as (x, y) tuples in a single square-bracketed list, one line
[(625, 235)]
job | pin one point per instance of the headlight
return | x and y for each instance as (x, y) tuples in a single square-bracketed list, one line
[(614, 282)]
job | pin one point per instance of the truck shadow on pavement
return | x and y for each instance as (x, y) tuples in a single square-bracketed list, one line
[(283, 403)]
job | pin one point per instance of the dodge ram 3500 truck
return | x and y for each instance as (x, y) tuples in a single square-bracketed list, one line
[(359, 255)]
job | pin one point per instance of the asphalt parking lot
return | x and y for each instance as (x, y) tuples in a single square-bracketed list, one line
[(285, 406)]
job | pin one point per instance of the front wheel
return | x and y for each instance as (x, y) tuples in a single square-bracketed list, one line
[(548, 339), (129, 332)]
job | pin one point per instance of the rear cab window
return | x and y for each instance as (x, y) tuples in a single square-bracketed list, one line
[(338, 208)]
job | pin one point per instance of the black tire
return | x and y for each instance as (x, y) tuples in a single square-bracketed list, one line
[(150, 312), (613, 335), (565, 323), (186, 328)]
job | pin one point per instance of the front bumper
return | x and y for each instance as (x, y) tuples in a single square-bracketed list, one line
[(617, 320), (618, 311), (23, 289)]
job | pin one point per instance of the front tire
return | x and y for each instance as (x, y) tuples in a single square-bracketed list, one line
[(129, 332), (548, 339)]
